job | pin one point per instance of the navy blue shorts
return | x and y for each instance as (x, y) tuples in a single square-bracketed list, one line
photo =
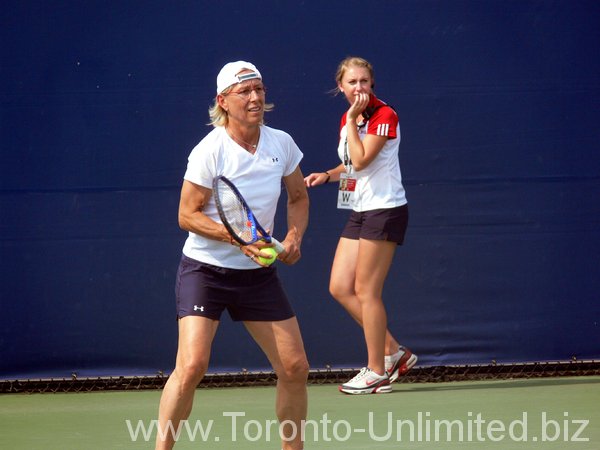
[(205, 290), (378, 225)]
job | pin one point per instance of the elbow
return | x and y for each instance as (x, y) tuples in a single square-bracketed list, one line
[(299, 196), (181, 219), (304, 200), (300, 206), (362, 164)]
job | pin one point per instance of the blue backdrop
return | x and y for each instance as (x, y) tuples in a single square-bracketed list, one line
[(102, 101)]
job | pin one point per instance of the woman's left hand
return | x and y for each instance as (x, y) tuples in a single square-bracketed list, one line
[(361, 100), (291, 254)]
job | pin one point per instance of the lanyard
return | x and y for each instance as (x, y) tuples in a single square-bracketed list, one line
[(347, 160)]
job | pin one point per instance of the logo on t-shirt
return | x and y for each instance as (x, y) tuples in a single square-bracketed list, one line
[(383, 129)]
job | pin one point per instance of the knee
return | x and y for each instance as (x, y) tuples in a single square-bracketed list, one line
[(294, 370), (333, 291), (191, 373), (337, 292)]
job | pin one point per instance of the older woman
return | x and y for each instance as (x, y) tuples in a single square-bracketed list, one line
[(216, 274)]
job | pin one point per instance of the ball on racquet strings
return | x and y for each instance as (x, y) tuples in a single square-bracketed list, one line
[(271, 259)]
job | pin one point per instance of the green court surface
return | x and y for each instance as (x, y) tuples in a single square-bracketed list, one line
[(543, 413)]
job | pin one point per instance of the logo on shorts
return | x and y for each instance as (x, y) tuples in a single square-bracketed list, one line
[(198, 308)]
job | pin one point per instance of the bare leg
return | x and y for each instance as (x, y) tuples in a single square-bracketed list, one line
[(282, 343), (195, 339), (357, 277)]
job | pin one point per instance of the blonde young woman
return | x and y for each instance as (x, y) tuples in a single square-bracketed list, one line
[(371, 186)]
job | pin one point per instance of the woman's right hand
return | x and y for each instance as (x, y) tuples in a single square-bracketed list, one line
[(316, 178)]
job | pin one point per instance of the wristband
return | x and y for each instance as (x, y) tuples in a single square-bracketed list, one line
[(328, 176)]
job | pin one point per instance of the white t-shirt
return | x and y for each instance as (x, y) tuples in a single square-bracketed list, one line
[(257, 177), (379, 185)]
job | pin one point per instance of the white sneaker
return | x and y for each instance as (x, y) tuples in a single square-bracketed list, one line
[(399, 363), (367, 382)]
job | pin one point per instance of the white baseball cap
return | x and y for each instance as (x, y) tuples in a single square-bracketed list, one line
[(228, 75)]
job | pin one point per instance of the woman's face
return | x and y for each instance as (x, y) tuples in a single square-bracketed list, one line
[(356, 80), (245, 103)]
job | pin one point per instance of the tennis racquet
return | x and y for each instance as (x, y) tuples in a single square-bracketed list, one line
[(237, 216)]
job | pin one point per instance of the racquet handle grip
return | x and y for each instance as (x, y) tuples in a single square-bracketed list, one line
[(277, 245)]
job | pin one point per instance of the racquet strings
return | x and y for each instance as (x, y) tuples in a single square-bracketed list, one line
[(235, 212)]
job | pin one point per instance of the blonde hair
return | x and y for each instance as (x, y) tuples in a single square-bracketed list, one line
[(348, 62), (220, 118)]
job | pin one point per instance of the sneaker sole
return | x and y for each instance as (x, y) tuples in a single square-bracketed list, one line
[(385, 389), (403, 368)]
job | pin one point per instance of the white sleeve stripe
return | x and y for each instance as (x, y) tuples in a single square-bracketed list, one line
[(383, 129)]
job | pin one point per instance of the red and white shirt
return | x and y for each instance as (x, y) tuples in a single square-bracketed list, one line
[(379, 185)]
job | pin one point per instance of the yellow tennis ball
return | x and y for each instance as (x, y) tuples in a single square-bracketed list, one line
[(271, 259)]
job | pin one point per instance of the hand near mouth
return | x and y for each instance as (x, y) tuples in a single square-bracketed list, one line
[(361, 100)]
